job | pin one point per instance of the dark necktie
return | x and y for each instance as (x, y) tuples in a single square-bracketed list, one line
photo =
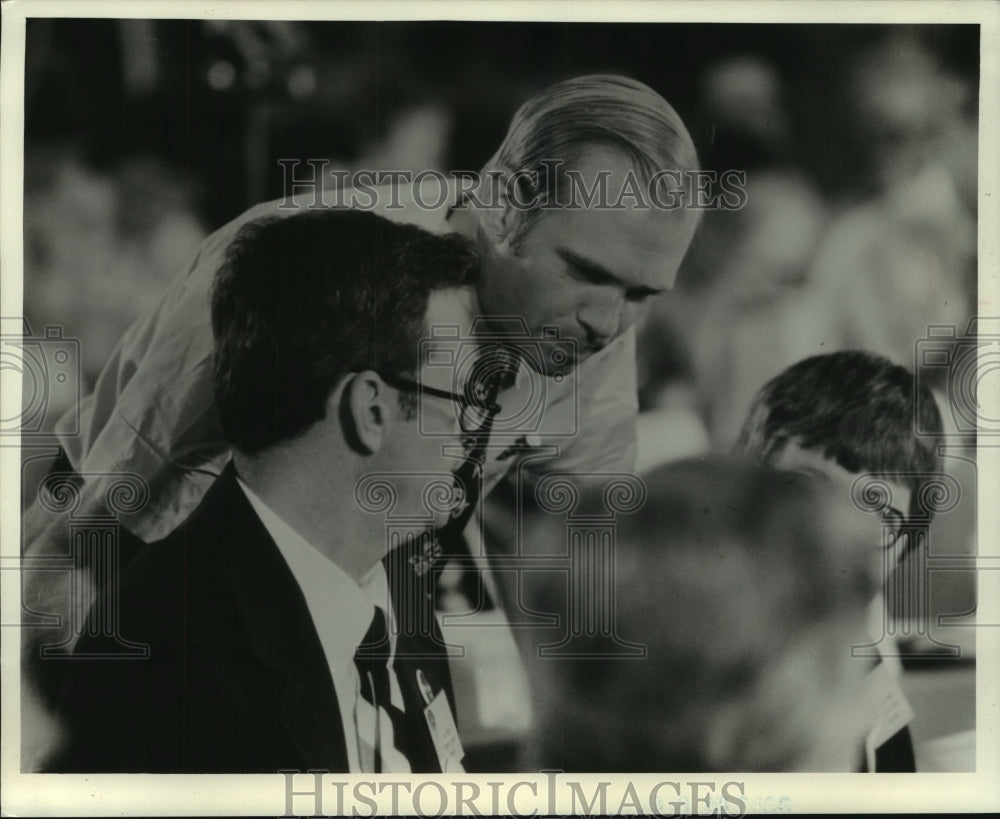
[(371, 660), (408, 565), (896, 754), (495, 372), (418, 683)]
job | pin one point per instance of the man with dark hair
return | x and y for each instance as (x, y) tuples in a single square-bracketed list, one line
[(571, 279), (838, 416), (276, 628), (352, 294), (853, 410), (553, 260)]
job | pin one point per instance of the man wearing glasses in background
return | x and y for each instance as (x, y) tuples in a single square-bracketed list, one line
[(836, 417), (269, 613)]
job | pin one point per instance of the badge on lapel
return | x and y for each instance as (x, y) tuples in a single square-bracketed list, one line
[(441, 724), (427, 553)]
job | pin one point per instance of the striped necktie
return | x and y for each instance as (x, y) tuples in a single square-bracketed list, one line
[(380, 724), (496, 372), (408, 565)]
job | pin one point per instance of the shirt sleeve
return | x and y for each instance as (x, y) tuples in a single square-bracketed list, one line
[(152, 412)]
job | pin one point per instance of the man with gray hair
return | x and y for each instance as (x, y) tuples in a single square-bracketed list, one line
[(584, 268), (589, 222)]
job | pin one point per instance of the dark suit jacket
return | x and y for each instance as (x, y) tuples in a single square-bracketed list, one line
[(236, 680)]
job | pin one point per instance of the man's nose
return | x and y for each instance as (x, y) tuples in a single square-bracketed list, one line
[(601, 322)]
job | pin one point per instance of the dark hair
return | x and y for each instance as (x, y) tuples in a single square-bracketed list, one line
[(302, 300), (747, 591), (854, 407)]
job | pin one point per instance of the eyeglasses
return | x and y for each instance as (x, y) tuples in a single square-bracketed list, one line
[(893, 522), (471, 414), (398, 382)]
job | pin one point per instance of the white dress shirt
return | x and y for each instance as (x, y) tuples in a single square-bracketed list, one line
[(341, 611)]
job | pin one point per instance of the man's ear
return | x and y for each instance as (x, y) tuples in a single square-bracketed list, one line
[(365, 403), (499, 219)]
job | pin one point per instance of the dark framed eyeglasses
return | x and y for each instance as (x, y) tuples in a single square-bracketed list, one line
[(471, 414), (403, 384), (893, 522)]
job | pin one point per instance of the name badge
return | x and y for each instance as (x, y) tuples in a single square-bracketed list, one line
[(892, 710), (444, 734)]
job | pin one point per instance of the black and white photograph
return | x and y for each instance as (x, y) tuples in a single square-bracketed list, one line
[(550, 409)]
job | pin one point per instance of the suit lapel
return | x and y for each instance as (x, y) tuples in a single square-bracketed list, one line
[(279, 627), (281, 634)]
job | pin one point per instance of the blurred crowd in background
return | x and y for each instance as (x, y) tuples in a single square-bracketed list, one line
[(859, 145)]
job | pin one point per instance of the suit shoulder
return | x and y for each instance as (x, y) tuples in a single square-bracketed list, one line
[(155, 567), (178, 573)]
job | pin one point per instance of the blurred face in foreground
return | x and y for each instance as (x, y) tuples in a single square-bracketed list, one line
[(760, 678)]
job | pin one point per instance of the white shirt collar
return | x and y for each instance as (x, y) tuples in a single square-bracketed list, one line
[(340, 610)]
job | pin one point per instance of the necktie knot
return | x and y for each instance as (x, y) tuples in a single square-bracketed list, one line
[(371, 660), (374, 647), (494, 371)]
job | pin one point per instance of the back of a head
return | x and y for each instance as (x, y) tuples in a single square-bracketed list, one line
[(747, 594), (854, 407), (304, 299)]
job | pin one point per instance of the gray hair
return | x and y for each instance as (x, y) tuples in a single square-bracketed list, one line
[(563, 121)]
